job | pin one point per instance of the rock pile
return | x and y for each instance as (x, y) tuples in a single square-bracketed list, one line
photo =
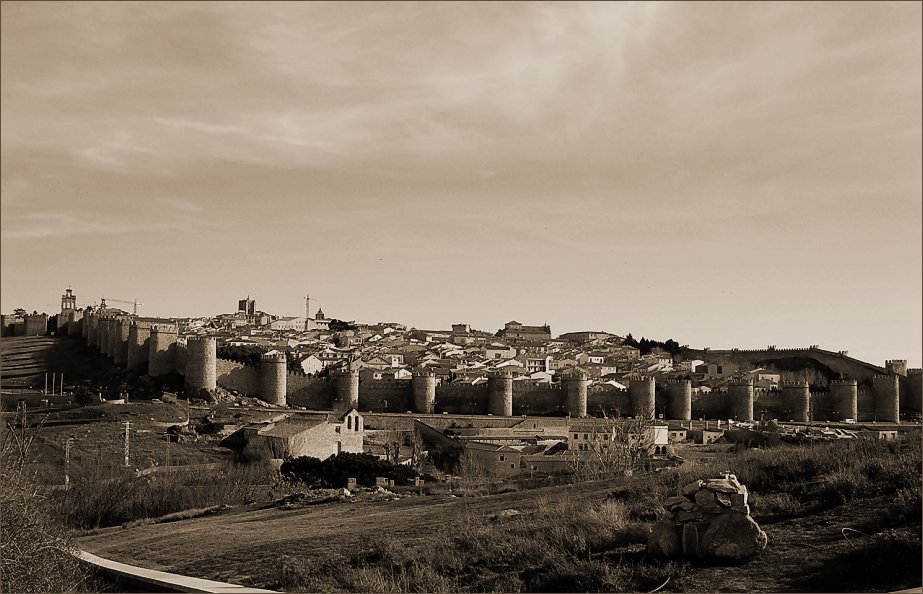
[(710, 519)]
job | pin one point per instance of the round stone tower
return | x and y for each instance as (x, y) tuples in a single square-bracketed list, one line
[(844, 397), (500, 394), (120, 348), (641, 392), (347, 388), (273, 378), (114, 337), (139, 337), (201, 361), (575, 386), (162, 352), (914, 398), (796, 397), (886, 389), (92, 326), (679, 400), (102, 335), (424, 391), (740, 399)]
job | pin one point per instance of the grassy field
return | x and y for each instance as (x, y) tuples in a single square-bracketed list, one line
[(840, 517)]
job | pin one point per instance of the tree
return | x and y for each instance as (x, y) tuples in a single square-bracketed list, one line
[(84, 395), (37, 554), (619, 447), (340, 325), (20, 312)]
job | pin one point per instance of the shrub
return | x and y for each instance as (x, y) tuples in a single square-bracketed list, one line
[(334, 471)]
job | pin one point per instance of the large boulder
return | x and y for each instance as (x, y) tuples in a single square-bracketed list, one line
[(664, 540), (732, 536)]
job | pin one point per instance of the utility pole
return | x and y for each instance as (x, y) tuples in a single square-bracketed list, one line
[(62, 383), (52, 383), (67, 463), (127, 428), (45, 391)]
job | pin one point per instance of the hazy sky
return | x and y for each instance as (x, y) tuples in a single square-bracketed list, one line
[(722, 174)]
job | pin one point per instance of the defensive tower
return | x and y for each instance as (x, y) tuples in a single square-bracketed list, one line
[(641, 392), (914, 397), (424, 391), (161, 356), (896, 367), (139, 337), (796, 398), (575, 386), (679, 400), (92, 329), (844, 397), (740, 399), (886, 389), (347, 388), (120, 348), (500, 393), (103, 334), (201, 361), (273, 378)]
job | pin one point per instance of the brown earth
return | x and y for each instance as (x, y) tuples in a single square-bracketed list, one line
[(808, 553)]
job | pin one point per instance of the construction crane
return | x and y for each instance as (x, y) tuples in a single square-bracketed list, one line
[(135, 303)]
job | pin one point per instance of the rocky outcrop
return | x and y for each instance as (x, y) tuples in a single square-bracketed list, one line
[(709, 519)]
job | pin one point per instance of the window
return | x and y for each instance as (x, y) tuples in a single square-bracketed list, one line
[(586, 436), (502, 458), (576, 436), (357, 424), (349, 422)]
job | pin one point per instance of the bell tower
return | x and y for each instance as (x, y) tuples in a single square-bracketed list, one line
[(68, 301)]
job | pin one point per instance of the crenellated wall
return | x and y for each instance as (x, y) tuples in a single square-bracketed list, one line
[(538, 398), (461, 399), (237, 377), (386, 395)]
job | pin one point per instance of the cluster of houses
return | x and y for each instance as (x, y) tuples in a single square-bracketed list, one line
[(462, 355)]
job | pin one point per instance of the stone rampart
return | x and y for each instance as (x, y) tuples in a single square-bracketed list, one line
[(386, 395), (237, 377), (462, 399), (540, 399)]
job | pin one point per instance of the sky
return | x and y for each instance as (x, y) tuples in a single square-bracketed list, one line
[(727, 174)]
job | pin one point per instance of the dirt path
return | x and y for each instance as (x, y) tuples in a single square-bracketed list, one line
[(245, 546)]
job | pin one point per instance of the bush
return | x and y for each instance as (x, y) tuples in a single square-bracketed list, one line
[(333, 472), (36, 550), (100, 498)]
